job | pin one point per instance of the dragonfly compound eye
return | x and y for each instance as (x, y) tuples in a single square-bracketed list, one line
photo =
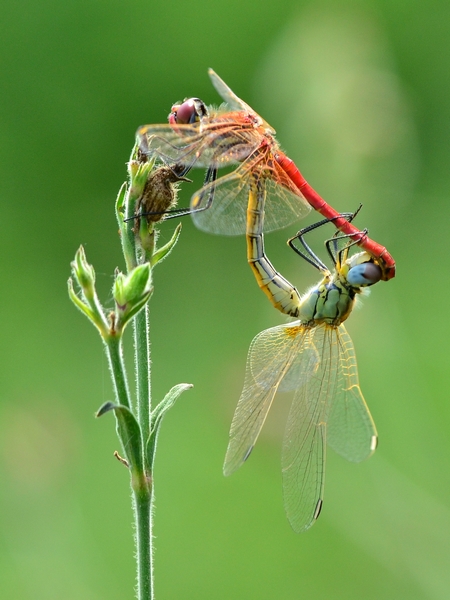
[(190, 111), (366, 273)]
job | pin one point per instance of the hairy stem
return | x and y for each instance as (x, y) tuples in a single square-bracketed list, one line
[(142, 496), (117, 366), (141, 481), (142, 485), (142, 364)]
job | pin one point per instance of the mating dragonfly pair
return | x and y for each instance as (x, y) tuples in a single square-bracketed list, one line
[(313, 355)]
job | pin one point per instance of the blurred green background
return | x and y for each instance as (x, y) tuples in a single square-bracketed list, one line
[(358, 93)]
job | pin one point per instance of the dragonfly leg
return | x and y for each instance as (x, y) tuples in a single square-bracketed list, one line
[(338, 255), (307, 253)]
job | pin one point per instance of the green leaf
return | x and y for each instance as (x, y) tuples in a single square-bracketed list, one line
[(167, 248), (78, 302), (129, 434), (159, 413), (120, 203)]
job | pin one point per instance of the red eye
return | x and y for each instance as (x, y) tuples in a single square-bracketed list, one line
[(190, 111)]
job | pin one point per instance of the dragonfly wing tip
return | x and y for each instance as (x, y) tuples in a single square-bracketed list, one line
[(247, 454), (318, 509)]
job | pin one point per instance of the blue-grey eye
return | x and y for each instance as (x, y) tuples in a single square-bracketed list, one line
[(365, 274)]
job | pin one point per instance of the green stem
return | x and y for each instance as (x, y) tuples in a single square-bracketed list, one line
[(142, 485), (143, 499), (117, 367), (143, 366), (140, 481)]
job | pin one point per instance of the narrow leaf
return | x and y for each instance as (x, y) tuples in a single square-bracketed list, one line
[(104, 408), (158, 414), (120, 202), (129, 434), (167, 248)]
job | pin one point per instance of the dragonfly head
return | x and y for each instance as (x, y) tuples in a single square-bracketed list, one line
[(190, 111), (362, 270)]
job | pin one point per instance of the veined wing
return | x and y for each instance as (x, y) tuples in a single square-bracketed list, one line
[(351, 430), (329, 407), (227, 94), (272, 353), (228, 199), (304, 446), (285, 204), (222, 204), (215, 141), (233, 101)]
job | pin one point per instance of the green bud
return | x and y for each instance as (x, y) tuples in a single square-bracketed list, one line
[(133, 167), (84, 274), (139, 173), (87, 302), (131, 292)]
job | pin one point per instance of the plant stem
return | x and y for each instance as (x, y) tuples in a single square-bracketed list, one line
[(143, 366), (143, 498), (141, 482), (116, 364)]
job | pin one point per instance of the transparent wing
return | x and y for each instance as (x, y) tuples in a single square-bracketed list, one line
[(233, 101), (228, 198), (328, 407), (285, 204), (303, 455), (303, 367), (351, 430), (272, 353), (218, 140), (227, 94), (171, 145)]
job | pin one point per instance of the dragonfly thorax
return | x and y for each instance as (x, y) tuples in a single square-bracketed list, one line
[(329, 302), (333, 299)]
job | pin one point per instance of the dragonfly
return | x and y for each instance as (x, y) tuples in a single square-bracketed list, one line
[(281, 293), (236, 138), (314, 357)]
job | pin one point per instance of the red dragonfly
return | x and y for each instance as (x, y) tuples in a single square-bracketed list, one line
[(235, 136)]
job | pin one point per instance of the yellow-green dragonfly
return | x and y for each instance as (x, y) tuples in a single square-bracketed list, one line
[(314, 356)]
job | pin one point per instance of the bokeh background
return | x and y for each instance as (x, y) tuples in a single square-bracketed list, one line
[(358, 93)]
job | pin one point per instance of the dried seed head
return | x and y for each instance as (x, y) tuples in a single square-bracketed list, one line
[(159, 195)]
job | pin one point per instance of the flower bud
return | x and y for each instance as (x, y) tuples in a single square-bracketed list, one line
[(84, 274), (131, 292), (139, 173), (88, 302)]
